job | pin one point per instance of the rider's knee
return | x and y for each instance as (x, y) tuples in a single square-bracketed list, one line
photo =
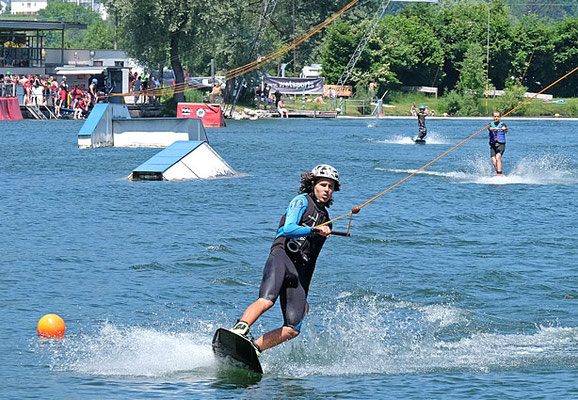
[(265, 304), (291, 332)]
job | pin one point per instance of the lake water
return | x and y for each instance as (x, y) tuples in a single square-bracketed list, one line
[(453, 285)]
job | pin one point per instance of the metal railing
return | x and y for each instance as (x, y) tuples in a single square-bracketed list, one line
[(340, 104), (8, 89)]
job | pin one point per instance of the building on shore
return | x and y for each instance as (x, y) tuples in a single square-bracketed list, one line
[(24, 55), (22, 49), (32, 7), (27, 7)]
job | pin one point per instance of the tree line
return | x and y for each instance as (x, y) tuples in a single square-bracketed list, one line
[(462, 47), (443, 45)]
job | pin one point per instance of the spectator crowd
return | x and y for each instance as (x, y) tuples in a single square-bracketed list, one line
[(143, 86), (47, 91)]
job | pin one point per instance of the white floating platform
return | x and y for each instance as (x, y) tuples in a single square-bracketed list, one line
[(110, 125), (155, 132), (183, 160)]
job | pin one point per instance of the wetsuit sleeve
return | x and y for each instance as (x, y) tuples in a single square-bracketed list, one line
[(295, 211)]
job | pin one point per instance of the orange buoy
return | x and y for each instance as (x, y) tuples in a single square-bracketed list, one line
[(51, 325)]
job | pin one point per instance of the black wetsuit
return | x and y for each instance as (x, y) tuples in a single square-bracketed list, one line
[(421, 126), (292, 259)]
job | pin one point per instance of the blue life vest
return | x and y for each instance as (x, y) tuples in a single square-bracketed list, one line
[(499, 135), (306, 248)]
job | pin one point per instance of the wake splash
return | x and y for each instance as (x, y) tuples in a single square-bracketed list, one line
[(543, 170), (375, 335), (132, 351), (356, 333), (431, 138)]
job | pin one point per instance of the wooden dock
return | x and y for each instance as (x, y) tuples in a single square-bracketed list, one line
[(312, 114)]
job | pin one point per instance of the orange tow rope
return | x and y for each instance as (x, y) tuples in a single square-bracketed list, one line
[(356, 209)]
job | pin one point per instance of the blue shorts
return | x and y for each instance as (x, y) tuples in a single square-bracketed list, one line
[(281, 279)]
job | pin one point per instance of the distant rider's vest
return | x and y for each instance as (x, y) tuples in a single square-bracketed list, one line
[(499, 135), (421, 119), (303, 251)]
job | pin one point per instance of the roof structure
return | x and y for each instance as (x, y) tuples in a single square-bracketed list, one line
[(20, 25)]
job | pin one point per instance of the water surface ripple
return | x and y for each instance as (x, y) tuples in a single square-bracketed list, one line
[(453, 285)]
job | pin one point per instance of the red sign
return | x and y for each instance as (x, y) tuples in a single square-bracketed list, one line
[(211, 115)]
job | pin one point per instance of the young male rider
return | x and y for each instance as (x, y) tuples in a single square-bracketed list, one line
[(292, 259), (422, 130), (497, 132)]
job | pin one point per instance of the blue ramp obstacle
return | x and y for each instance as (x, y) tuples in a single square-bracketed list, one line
[(183, 160), (187, 154), (110, 125)]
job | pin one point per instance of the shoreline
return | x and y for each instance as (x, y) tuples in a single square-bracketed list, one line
[(466, 118)]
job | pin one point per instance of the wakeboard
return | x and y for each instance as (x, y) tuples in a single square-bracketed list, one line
[(419, 141), (237, 349)]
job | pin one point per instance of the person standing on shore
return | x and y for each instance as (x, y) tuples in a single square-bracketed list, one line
[(371, 90), (497, 132), (278, 96), (93, 93), (265, 95), (137, 86), (289, 268), (215, 93)]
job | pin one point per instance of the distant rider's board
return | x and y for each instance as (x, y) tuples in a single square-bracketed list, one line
[(237, 349), (419, 141)]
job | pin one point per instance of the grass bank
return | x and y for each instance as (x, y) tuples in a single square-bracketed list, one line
[(399, 104)]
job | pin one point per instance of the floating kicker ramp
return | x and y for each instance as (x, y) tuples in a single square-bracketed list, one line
[(110, 125), (184, 159), (186, 153)]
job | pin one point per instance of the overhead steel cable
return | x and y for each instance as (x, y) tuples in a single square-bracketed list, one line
[(236, 72)]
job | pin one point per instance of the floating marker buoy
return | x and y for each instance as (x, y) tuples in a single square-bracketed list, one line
[(51, 325), (556, 115)]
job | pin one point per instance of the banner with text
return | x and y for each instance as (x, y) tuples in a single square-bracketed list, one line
[(295, 85)]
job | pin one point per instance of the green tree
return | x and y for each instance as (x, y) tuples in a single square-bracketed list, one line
[(565, 44), (155, 31), (512, 97), (67, 12), (532, 51), (340, 42), (457, 27), (296, 17), (411, 48), (472, 70), (467, 22), (402, 51), (501, 51), (99, 35)]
